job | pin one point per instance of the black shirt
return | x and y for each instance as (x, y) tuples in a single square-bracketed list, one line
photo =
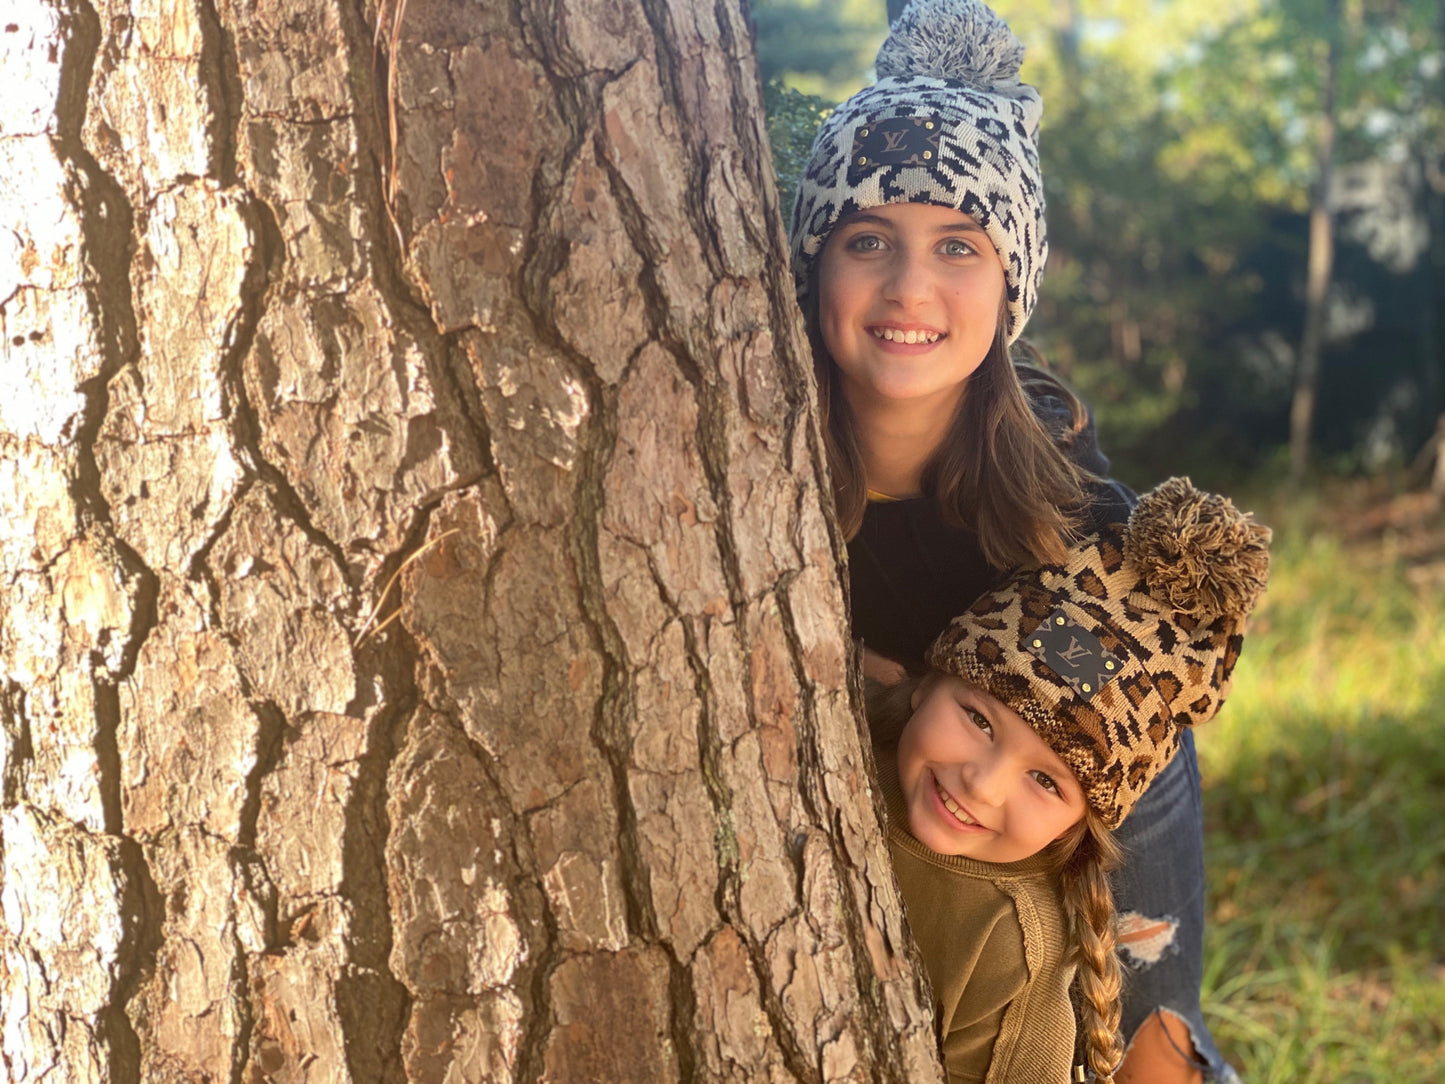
[(910, 573)]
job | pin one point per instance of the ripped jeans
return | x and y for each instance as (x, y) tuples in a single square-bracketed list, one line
[(1160, 896)]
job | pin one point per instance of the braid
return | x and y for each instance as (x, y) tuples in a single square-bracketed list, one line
[(1087, 854)]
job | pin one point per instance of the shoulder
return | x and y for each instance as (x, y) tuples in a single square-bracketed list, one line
[(1070, 423), (1107, 502), (967, 921), (975, 1007)]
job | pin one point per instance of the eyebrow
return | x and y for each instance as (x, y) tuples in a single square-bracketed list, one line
[(963, 225)]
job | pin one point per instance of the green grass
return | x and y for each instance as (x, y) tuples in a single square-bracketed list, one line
[(1325, 796)]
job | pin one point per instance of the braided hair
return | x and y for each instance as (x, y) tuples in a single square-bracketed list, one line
[(1085, 855)]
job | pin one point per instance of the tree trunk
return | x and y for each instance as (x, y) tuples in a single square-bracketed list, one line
[(1320, 264), (423, 656)]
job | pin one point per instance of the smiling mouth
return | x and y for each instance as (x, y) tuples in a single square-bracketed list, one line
[(897, 335), (953, 807)]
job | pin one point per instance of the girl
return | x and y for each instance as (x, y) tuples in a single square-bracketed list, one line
[(918, 241), (1051, 705)]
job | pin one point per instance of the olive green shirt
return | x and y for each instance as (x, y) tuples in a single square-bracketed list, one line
[(993, 939)]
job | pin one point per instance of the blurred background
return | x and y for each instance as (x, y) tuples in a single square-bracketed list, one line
[(1246, 282)]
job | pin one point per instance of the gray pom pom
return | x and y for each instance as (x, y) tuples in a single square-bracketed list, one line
[(962, 40)]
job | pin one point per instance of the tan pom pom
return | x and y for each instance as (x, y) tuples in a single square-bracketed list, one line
[(1198, 553)]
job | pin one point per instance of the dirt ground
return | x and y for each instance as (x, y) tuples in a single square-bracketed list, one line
[(1381, 526)]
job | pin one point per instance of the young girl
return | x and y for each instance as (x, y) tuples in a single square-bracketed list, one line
[(918, 242), (1050, 707)]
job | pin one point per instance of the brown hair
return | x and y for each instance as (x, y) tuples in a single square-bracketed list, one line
[(888, 708), (1082, 859), (998, 471)]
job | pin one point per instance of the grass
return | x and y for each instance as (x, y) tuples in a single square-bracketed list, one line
[(1324, 779)]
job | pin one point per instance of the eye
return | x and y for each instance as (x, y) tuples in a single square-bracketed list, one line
[(1045, 780), (957, 246), (979, 721), (865, 242)]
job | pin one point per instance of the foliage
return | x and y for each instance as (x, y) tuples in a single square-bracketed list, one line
[(793, 119), (1322, 782), (822, 47)]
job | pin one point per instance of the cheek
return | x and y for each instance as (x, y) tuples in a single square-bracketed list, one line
[(907, 752), (917, 746), (834, 301), (983, 309), (1041, 815), (1064, 821)]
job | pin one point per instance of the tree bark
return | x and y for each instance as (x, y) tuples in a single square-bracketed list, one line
[(424, 657)]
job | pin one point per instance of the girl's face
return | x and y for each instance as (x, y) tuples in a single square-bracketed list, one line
[(909, 298), (977, 780)]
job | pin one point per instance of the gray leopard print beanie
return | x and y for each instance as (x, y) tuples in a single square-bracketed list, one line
[(948, 123)]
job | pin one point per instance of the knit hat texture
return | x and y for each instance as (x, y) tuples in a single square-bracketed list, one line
[(948, 123), (1134, 637)]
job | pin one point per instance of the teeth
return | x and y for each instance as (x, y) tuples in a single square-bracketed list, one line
[(893, 334), (953, 808)]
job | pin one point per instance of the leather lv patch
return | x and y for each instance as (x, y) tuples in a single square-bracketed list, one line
[(897, 141), (1075, 654)]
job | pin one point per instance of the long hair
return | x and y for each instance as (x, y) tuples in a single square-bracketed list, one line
[(998, 471), (1084, 856)]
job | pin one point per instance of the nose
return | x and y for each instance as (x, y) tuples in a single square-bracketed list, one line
[(985, 778), (907, 280)]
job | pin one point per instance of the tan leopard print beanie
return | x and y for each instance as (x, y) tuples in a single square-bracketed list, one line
[(1136, 635)]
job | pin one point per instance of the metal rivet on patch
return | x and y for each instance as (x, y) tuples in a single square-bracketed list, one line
[(927, 155), (1038, 643), (928, 125), (1108, 666), (1087, 687), (863, 132), (862, 160), (1058, 621)]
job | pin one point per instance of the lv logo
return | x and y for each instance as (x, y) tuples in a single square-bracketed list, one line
[(893, 141), (1076, 654)]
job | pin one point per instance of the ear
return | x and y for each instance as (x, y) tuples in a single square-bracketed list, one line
[(920, 691)]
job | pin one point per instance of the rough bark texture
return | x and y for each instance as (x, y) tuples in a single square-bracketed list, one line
[(594, 806)]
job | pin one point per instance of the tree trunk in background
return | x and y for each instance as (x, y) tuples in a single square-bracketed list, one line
[(1432, 326), (1320, 264), (595, 806)]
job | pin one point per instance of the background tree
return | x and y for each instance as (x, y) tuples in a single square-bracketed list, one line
[(821, 45), (423, 657), (1321, 259)]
